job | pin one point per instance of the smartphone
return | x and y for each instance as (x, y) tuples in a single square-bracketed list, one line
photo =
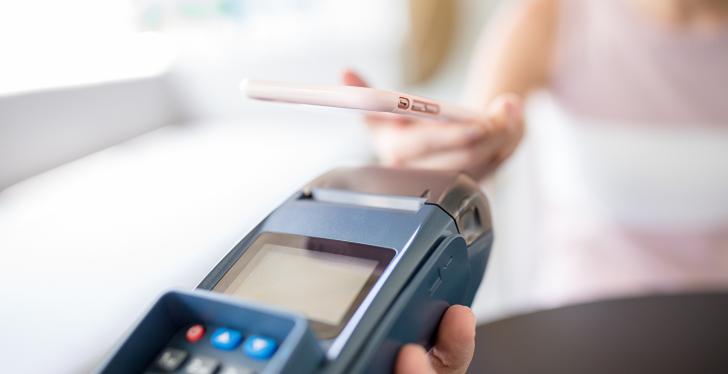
[(361, 98)]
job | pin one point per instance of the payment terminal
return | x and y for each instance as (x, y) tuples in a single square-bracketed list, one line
[(335, 280)]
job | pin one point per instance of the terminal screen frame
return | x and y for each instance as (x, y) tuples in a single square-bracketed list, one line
[(324, 330)]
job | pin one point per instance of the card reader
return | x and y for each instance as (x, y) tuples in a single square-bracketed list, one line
[(335, 280)]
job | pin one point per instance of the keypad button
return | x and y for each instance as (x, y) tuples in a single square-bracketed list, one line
[(195, 333), (236, 370), (202, 365), (259, 347), (171, 359), (226, 339)]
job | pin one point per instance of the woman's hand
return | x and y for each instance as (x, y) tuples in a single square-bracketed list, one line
[(453, 349), (477, 147)]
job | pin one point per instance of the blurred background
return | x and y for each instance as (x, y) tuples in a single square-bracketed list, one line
[(130, 163)]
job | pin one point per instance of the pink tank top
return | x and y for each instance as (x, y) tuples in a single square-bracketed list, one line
[(615, 63), (615, 67)]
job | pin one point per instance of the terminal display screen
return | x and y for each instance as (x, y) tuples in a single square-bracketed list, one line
[(323, 279)]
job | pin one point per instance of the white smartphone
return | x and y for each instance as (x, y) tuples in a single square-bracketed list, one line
[(361, 98)]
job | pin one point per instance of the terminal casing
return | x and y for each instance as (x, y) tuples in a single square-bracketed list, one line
[(436, 224)]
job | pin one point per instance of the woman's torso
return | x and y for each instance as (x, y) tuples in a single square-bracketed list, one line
[(644, 115), (611, 61)]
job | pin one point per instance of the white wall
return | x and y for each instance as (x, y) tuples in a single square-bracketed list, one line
[(87, 79)]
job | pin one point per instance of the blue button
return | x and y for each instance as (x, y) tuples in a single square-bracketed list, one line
[(259, 347), (226, 339)]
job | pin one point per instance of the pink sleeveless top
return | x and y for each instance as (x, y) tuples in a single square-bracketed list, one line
[(615, 67), (614, 62)]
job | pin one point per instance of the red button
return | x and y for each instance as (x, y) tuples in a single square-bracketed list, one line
[(195, 333)]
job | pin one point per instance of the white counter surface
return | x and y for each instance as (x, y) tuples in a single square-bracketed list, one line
[(85, 248)]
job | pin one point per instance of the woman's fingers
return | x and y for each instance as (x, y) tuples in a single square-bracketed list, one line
[(506, 115), (499, 139), (375, 120), (413, 359), (474, 147), (404, 144), (351, 78), (476, 155), (455, 344), (472, 159)]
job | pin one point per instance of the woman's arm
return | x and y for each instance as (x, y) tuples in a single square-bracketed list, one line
[(512, 59), (514, 54)]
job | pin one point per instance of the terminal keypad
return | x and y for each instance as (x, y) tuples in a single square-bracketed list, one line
[(198, 349)]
